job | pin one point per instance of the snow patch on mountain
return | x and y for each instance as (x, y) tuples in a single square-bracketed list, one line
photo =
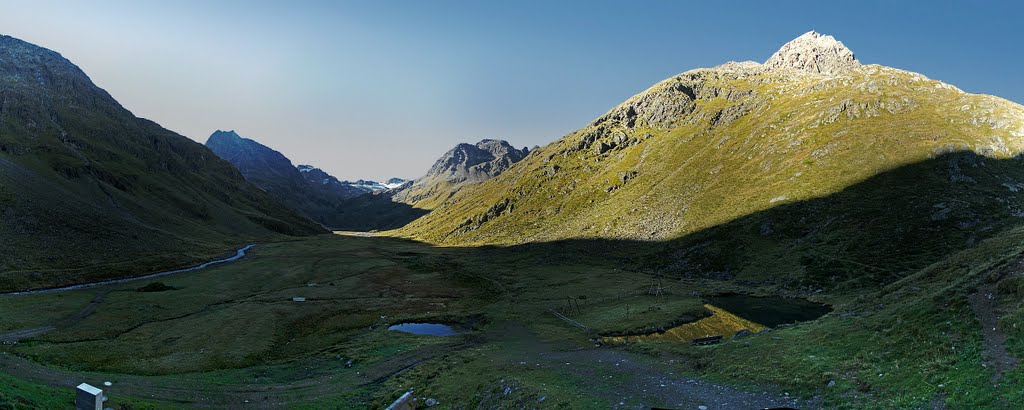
[(313, 174)]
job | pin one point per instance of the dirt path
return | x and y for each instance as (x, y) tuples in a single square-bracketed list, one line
[(996, 357), (628, 380), (17, 335), (648, 385)]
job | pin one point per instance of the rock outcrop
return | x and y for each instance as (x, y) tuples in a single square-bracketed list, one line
[(476, 162), (463, 165), (814, 53)]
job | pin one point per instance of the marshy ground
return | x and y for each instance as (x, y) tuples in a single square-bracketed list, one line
[(233, 335)]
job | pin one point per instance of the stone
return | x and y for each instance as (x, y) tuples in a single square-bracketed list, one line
[(814, 53), (464, 164), (743, 333), (430, 402), (941, 215)]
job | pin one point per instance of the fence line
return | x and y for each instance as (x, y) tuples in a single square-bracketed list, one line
[(570, 321)]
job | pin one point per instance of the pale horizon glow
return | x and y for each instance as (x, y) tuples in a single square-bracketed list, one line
[(373, 90)]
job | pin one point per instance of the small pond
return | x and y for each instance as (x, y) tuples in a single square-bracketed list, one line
[(430, 329), (770, 311), (732, 313)]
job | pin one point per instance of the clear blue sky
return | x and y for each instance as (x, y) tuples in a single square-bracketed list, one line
[(373, 89)]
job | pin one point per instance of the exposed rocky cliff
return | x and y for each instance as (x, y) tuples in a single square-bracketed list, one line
[(462, 165), (814, 53)]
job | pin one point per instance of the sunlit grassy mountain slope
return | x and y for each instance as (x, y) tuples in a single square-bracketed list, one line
[(89, 191), (709, 146)]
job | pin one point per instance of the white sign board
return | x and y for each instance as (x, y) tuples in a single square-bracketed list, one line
[(88, 398)]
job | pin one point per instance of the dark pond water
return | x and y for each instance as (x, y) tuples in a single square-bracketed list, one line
[(431, 329), (770, 311)]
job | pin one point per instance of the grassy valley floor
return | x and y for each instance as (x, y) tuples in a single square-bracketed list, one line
[(233, 336)]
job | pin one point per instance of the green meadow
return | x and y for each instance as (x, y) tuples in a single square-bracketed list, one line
[(232, 334)]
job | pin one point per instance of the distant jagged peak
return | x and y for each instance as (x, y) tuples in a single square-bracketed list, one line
[(814, 53), (477, 162), (226, 135)]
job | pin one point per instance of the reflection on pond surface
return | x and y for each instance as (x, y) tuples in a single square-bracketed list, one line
[(733, 313), (431, 329), (770, 311)]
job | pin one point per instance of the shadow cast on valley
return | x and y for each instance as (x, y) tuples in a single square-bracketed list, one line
[(371, 212), (871, 233)]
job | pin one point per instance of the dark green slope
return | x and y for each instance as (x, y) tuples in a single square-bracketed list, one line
[(871, 233), (89, 191), (274, 173)]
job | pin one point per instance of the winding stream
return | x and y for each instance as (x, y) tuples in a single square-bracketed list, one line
[(239, 254)]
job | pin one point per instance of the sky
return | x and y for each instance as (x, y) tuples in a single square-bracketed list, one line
[(377, 89)]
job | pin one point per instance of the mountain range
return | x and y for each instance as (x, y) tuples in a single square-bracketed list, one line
[(363, 205), (305, 192), (807, 167), (316, 175), (462, 166), (895, 199), (745, 169), (87, 187)]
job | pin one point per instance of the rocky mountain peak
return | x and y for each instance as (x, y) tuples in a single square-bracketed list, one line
[(465, 164), (814, 53), (477, 162), (224, 136), (34, 70)]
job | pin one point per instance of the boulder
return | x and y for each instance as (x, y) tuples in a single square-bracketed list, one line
[(743, 333)]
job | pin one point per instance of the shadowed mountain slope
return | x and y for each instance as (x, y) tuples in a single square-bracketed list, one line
[(88, 191), (305, 189), (710, 146)]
